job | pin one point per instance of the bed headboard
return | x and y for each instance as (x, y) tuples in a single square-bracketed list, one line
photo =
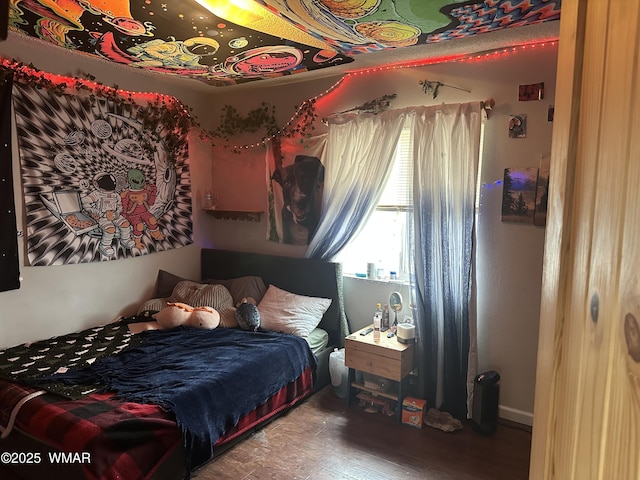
[(304, 276)]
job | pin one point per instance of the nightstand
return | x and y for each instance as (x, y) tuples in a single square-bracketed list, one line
[(386, 358)]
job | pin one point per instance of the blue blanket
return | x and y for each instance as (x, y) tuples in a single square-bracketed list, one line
[(207, 378)]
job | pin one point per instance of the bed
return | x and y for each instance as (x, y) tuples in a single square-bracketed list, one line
[(96, 419)]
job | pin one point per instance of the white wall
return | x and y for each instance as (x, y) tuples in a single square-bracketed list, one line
[(509, 256), (60, 299)]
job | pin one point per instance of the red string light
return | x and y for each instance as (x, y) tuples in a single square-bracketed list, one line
[(151, 97), (72, 82), (468, 58)]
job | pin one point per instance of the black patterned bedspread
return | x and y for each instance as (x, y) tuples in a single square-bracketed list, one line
[(30, 361)]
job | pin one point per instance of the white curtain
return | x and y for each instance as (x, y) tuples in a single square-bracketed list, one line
[(446, 153), (357, 159)]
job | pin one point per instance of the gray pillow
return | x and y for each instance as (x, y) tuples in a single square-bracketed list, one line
[(166, 282), (243, 287)]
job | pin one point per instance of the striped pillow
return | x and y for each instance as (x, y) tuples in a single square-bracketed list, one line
[(204, 295)]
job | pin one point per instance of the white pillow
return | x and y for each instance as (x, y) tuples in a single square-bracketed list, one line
[(286, 312)]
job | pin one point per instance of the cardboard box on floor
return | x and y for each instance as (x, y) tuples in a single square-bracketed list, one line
[(413, 411)]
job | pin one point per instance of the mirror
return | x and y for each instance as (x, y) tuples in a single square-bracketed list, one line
[(395, 303)]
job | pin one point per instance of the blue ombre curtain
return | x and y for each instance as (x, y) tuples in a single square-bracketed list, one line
[(446, 153), (357, 160)]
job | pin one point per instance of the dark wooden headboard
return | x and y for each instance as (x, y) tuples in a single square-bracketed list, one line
[(314, 278)]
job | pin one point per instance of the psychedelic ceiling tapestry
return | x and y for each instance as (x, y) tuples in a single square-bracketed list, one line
[(353, 27), (102, 179), (180, 37), (295, 182), (175, 37)]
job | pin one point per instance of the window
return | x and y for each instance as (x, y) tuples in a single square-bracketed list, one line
[(382, 240)]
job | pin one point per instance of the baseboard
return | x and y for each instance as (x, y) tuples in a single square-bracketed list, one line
[(515, 415)]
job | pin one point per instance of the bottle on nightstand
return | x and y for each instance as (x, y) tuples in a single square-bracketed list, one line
[(377, 322), (385, 319)]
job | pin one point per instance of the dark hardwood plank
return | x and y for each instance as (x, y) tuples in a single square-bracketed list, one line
[(323, 439)]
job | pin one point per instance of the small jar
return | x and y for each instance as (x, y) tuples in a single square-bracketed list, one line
[(392, 275), (208, 200)]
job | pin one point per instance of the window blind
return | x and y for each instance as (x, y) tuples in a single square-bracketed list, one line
[(398, 191)]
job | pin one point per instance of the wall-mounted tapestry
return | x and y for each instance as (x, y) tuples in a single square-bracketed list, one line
[(9, 263), (102, 180), (295, 178)]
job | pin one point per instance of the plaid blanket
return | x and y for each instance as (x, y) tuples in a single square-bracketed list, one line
[(124, 440)]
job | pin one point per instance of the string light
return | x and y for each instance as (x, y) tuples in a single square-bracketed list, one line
[(73, 82), (463, 58)]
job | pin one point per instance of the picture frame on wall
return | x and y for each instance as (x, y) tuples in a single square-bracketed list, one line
[(519, 194), (518, 125), (530, 92)]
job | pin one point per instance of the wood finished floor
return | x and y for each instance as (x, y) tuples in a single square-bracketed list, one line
[(322, 439)]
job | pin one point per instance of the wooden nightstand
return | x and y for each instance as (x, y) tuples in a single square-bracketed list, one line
[(386, 358)]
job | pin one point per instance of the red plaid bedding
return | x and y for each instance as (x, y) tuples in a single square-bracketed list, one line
[(123, 440)]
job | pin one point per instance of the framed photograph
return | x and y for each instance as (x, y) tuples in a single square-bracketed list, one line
[(519, 194), (518, 126), (533, 91)]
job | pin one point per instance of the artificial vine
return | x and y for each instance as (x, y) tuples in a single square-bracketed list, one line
[(264, 118), (232, 123)]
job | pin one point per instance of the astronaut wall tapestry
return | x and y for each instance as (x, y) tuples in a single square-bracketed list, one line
[(102, 179)]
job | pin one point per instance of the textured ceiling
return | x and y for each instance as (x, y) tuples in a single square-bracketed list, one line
[(181, 38)]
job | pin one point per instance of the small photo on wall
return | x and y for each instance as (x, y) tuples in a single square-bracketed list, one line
[(518, 126), (533, 91), (519, 194)]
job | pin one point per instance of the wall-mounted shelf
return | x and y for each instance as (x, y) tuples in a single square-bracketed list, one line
[(234, 214)]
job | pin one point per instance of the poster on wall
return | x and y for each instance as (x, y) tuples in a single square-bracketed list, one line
[(519, 194), (9, 262), (102, 180), (518, 125), (532, 91), (295, 181)]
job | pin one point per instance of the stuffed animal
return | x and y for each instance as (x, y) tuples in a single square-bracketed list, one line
[(177, 314), (204, 317), (247, 315)]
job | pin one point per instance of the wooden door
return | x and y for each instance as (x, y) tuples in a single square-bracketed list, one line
[(587, 407)]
